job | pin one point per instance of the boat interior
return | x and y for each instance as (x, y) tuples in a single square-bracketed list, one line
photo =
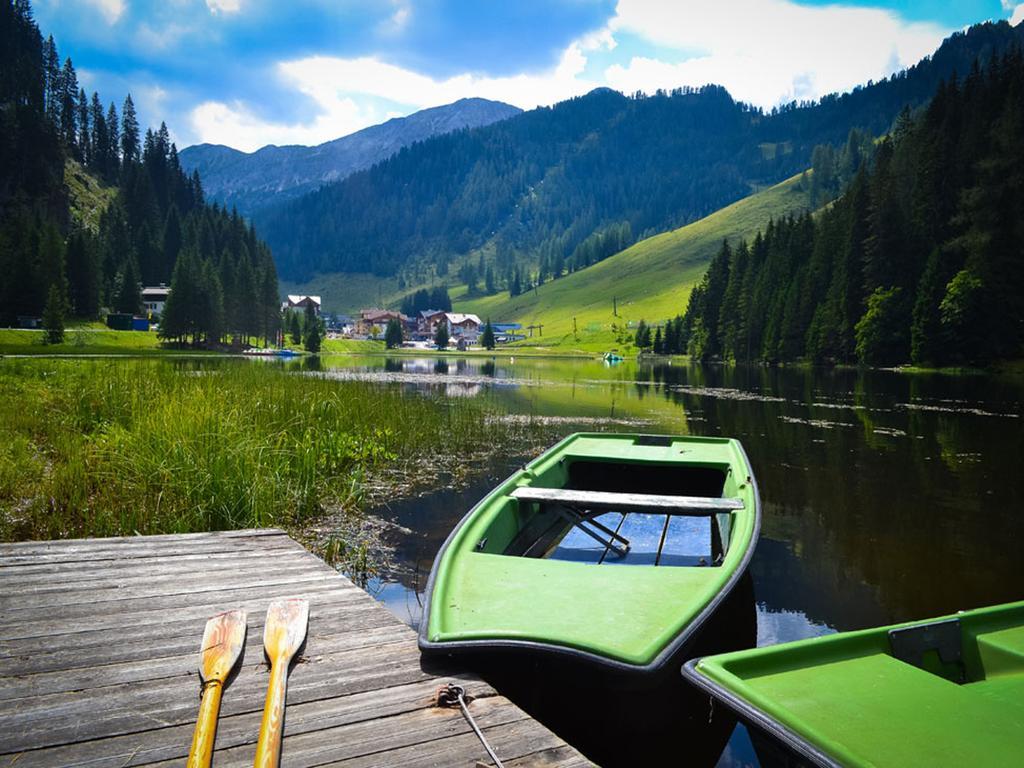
[(618, 513)]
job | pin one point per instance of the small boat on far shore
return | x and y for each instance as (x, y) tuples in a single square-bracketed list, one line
[(256, 352), (612, 357)]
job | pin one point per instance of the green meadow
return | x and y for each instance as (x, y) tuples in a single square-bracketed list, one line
[(117, 447)]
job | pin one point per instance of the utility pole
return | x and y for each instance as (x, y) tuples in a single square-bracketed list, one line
[(615, 306)]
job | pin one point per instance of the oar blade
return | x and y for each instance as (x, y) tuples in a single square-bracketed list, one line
[(285, 629), (222, 644)]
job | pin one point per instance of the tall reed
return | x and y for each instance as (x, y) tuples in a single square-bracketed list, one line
[(115, 447)]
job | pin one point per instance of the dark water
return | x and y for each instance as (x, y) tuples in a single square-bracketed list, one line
[(886, 496)]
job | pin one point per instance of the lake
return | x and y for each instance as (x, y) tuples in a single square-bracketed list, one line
[(887, 496)]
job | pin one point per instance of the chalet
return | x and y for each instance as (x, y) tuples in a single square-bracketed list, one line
[(373, 322), (463, 326), (301, 302), (154, 297), (426, 322)]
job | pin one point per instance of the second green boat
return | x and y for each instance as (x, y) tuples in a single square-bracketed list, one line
[(608, 548), (945, 692)]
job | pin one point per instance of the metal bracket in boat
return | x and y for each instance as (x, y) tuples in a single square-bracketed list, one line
[(910, 644)]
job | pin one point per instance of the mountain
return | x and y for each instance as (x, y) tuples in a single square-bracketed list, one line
[(249, 180), (532, 189), (922, 258)]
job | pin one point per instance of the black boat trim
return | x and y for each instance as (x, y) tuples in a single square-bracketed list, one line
[(758, 718), (668, 653)]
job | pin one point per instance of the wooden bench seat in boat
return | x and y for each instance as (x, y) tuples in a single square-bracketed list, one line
[(625, 502)]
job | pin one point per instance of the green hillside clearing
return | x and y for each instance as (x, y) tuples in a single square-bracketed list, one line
[(650, 280), (88, 196)]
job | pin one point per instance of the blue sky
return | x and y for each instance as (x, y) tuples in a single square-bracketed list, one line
[(247, 73)]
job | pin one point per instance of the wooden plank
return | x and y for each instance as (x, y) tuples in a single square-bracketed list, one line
[(624, 502), (195, 580), (134, 542), (171, 744), (172, 638), (99, 654), (510, 741), (53, 575), (21, 624)]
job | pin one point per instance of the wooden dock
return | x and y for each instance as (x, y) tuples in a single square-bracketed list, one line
[(99, 650)]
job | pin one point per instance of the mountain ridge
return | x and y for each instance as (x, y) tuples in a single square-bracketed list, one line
[(533, 188), (249, 180)]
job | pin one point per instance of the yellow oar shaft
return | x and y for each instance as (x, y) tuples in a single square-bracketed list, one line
[(268, 748), (201, 754)]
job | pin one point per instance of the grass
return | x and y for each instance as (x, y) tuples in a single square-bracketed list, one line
[(352, 346), (115, 447), (87, 340), (651, 280)]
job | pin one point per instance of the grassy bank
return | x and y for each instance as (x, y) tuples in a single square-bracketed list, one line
[(108, 447), (81, 341)]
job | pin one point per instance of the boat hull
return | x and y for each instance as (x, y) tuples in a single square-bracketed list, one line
[(671, 603)]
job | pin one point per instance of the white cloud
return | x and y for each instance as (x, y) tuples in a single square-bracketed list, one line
[(765, 52), (237, 126), (336, 84), (1018, 14), (111, 9), (224, 6), (768, 52)]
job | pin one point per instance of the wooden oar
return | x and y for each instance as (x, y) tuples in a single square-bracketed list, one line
[(222, 644), (282, 637)]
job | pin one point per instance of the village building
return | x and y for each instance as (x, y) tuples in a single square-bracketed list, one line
[(154, 298), (301, 302), (426, 322), (373, 322), (463, 326)]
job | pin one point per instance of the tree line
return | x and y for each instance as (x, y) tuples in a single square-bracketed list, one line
[(157, 229), (921, 259)]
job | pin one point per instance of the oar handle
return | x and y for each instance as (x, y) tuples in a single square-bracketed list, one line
[(201, 754), (268, 748)]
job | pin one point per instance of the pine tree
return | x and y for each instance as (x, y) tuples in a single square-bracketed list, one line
[(113, 144), (487, 338), (84, 128), (129, 133), (393, 334), (441, 335), (83, 272), (53, 315), (295, 327), (643, 335), (128, 297), (314, 330), (69, 108)]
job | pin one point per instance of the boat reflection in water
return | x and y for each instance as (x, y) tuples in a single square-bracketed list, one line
[(618, 719)]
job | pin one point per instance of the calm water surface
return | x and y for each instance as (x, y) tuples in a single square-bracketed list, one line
[(886, 496)]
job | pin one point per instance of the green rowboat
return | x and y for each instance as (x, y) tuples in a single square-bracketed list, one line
[(949, 691), (610, 548)]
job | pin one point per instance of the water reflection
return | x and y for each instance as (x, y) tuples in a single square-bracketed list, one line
[(887, 497)]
